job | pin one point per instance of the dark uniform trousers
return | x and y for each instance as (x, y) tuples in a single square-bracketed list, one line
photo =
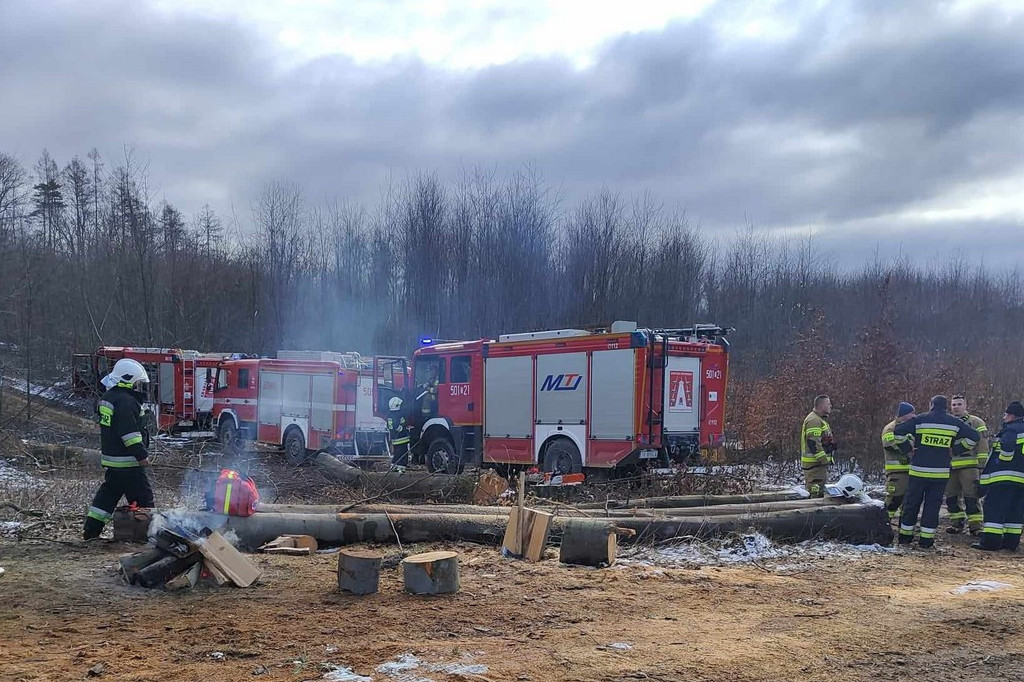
[(132, 483), (926, 492), (1004, 516)]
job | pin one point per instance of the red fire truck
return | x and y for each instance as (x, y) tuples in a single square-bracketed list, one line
[(180, 388), (302, 406), (371, 430), (567, 399)]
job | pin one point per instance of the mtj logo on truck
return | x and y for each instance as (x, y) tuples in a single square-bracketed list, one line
[(561, 382)]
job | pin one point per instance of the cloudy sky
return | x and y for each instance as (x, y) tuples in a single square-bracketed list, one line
[(870, 124)]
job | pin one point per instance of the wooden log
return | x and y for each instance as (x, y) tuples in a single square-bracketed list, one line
[(64, 454), (411, 484), (431, 573), (533, 539), (359, 571), (857, 523), (588, 544), (159, 572), (681, 501), (564, 510), (132, 563)]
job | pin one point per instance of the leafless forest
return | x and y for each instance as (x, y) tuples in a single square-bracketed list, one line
[(88, 256)]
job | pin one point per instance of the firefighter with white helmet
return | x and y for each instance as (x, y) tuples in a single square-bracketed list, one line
[(398, 431), (122, 444)]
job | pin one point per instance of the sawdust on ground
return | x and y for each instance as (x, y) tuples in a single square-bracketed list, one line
[(880, 617)]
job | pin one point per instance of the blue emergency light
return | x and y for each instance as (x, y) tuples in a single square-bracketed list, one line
[(426, 341)]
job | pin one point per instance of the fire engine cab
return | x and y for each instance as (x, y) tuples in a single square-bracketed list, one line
[(301, 406), (566, 399), (180, 383)]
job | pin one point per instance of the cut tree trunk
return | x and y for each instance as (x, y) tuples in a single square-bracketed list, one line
[(588, 544), (64, 454), (564, 510), (681, 501), (431, 573), (857, 523), (411, 484), (359, 571)]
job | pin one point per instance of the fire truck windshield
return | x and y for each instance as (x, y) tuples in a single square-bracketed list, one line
[(427, 370)]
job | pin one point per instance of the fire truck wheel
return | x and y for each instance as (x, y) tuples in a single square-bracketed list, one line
[(562, 457), (441, 457), (295, 447), (227, 434)]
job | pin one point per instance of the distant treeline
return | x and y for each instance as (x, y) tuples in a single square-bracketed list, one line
[(87, 257)]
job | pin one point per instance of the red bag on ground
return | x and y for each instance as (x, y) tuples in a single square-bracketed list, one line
[(234, 494)]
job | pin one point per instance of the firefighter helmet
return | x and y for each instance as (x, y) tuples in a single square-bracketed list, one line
[(395, 404), (129, 373), (848, 486)]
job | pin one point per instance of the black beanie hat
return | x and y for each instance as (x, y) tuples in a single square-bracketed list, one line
[(1016, 409)]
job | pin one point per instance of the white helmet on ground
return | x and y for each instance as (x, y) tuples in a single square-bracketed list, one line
[(395, 404), (848, 486), (128, 373)]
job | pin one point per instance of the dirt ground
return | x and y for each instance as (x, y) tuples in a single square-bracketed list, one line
[(878, 617)]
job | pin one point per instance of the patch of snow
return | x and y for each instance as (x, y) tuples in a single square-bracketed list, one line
[(405, 668), (59, 392), (982, 586), (748, 548), (14, 477), (341, 674), (9, 528)]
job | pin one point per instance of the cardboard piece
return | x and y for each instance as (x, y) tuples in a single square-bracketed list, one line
[(216, 574), (232, 563), (289, 551), (489, 487)]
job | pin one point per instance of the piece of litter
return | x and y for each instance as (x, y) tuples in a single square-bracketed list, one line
[(331, 649), (982, 586), (217, 655), (620, 646), (96, 670), (345, 675)]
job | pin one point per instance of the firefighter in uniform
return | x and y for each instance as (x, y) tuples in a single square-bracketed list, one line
[(427, 399), (1003, 485), (123, 446), (897, 464), (816, 446), (963, 479), (398, 430), (937, 436)]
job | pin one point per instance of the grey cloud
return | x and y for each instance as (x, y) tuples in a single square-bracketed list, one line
[(725, 126)]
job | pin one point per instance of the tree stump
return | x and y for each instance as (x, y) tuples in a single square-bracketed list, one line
[(359, 571), (588, 544), (431, 573)]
